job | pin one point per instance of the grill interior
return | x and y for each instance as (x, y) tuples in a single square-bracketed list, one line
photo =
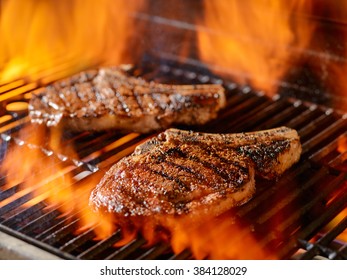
[(286, 217)]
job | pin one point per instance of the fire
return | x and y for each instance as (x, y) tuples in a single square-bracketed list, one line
[(46, 173), (342, 149), (206, 237), (342, 144), (333, 65), (216, 238), (39, 35), (339, 218), (258, 40), (337, 84)]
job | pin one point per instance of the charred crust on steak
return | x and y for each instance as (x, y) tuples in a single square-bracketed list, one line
[(189, 173), (110, 98)]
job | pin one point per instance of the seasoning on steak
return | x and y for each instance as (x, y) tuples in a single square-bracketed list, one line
[(110, 98), (180, 172)]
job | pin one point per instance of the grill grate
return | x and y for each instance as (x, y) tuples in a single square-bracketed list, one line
[(295, 209)]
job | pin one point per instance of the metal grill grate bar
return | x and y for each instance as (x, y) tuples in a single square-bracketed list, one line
[(308, 231), (78, 241), (321, 245), (126, 250), (101, 246)]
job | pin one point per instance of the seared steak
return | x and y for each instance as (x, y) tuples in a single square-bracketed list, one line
[(109, 98), (181, 172)]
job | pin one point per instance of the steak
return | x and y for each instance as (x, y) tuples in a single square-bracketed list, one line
[(189, 173), (110, 98)]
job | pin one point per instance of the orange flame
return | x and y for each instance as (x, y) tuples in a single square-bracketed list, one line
[(342, 149), (337, 84), (342, 144), (217, 238), (339, 217), (333, 65), (207, 238), (43, 173), (39, 35), (257, 39)]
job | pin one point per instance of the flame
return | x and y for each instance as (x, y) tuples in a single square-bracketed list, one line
[(44, 173), (339, 217), (38, 35), (216, 238), (342, 144), (342, 149), (207, 238), (259, 40), (337, 84), (343, 235), (332, 64)]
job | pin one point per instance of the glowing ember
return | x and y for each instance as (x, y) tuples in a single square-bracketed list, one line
[(258, 40)]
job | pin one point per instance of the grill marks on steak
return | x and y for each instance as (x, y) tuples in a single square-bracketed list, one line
[(163, 184), (109, 98), (181, 172)]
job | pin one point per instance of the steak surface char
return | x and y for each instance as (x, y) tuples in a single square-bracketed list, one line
[(189, 173), (110, 98)]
